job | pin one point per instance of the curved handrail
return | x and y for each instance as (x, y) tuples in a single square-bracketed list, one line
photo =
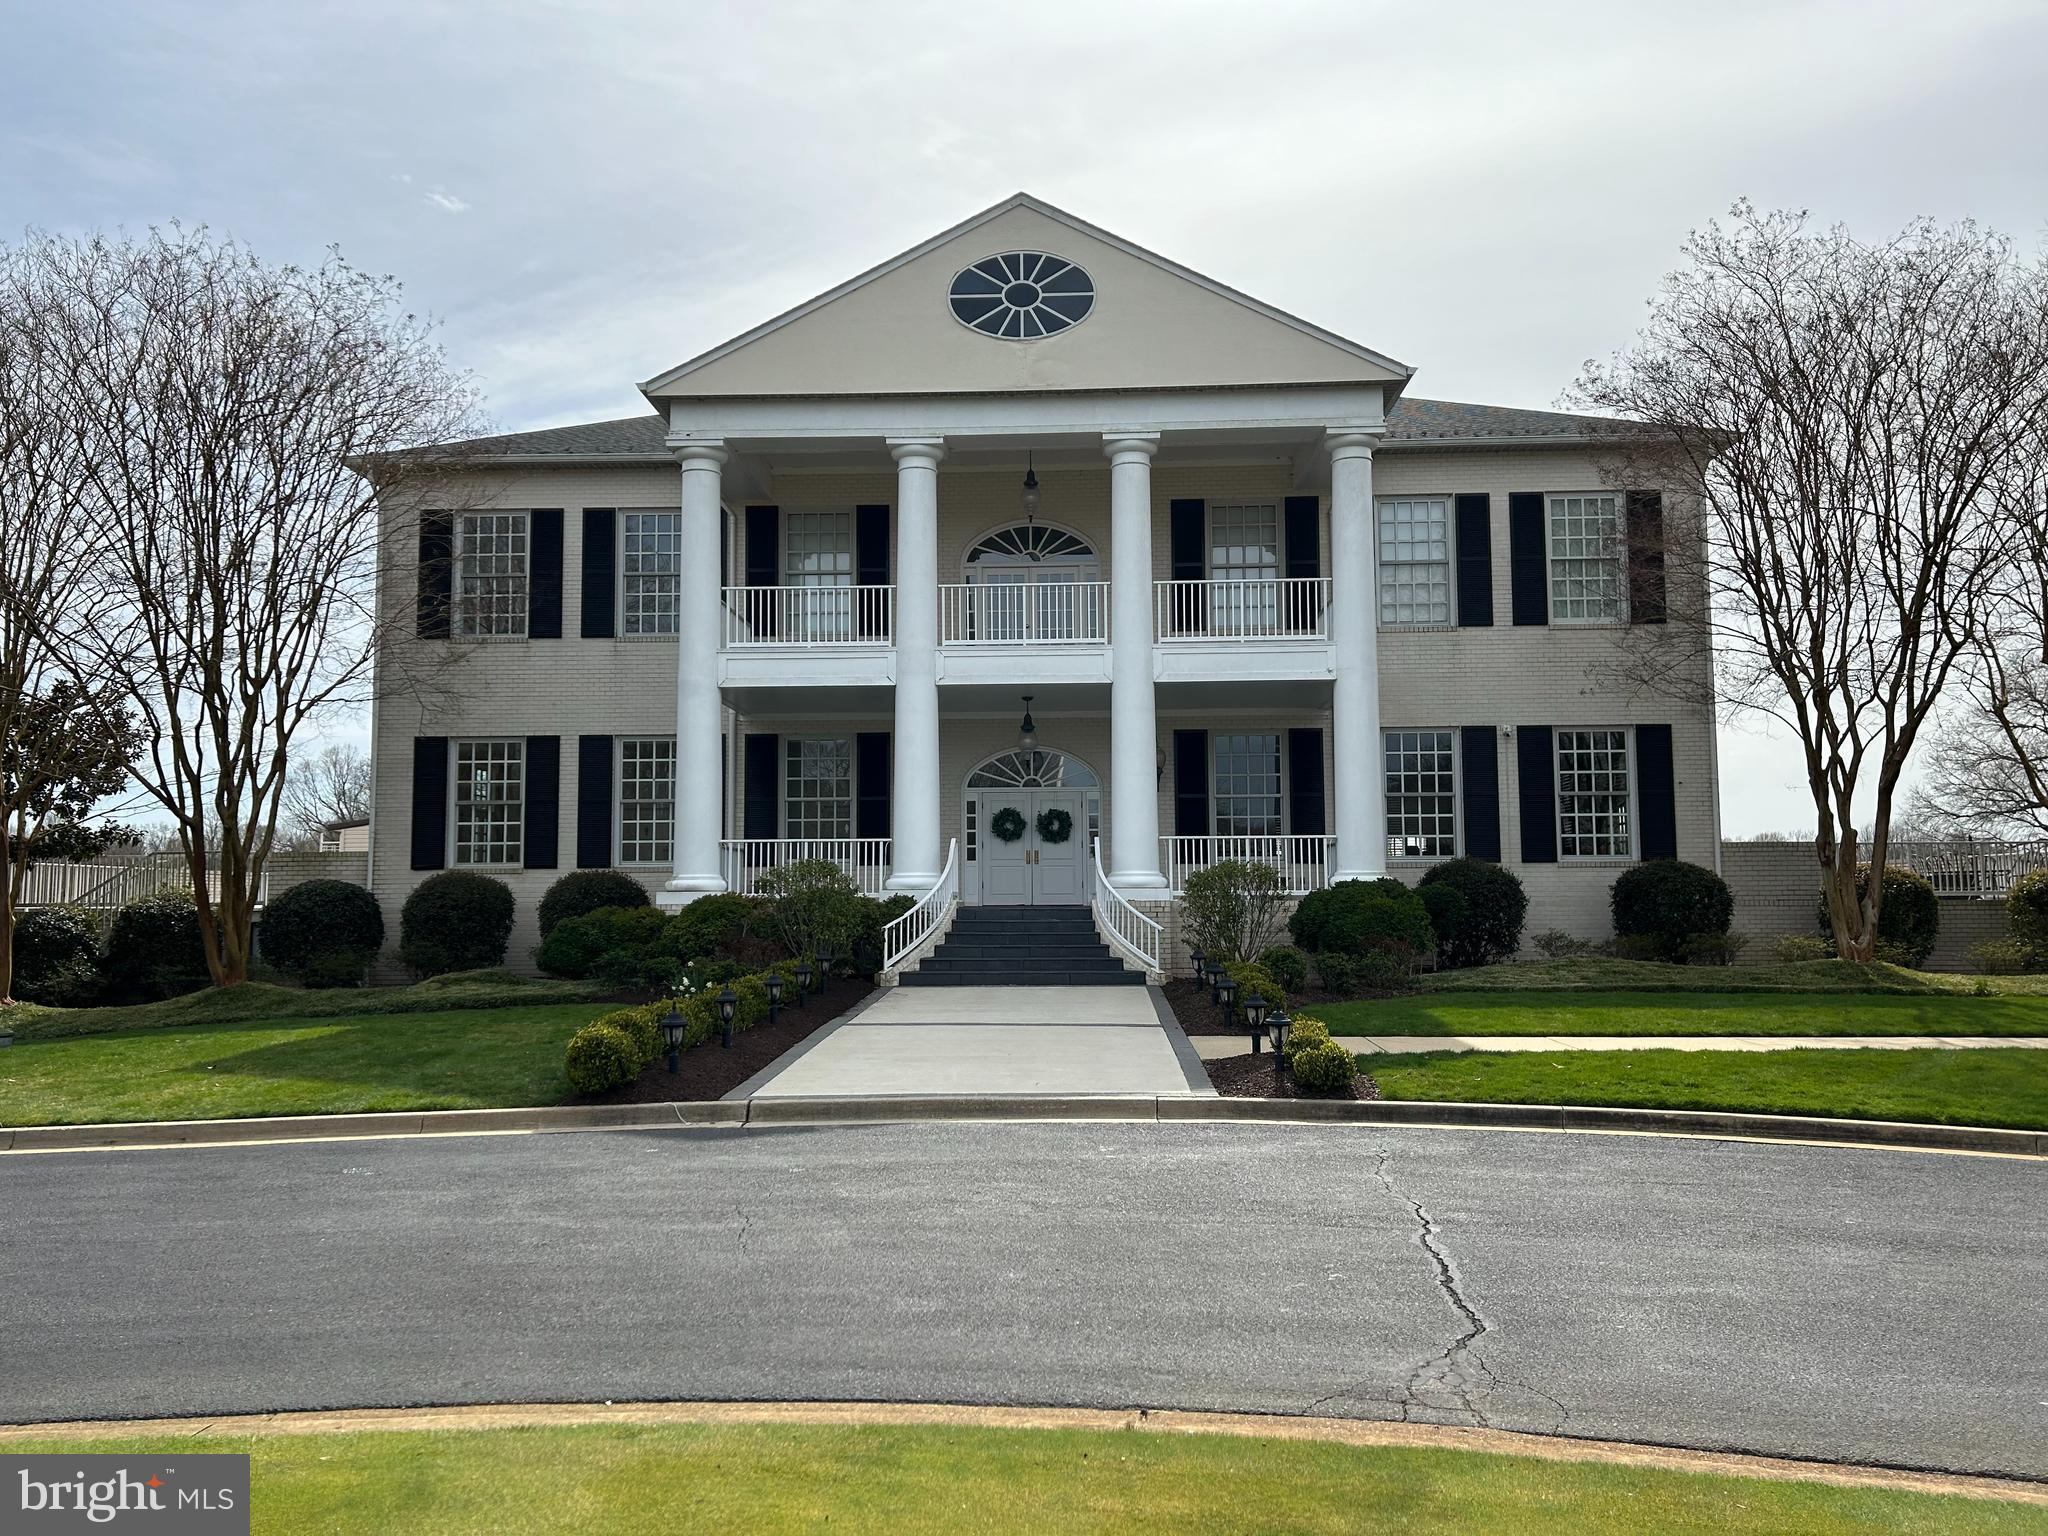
[(1123, 925), (910, 932)]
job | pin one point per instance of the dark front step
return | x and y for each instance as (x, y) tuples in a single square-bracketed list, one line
[(1023, 947), (925, 976)]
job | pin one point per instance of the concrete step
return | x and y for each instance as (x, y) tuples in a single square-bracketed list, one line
[(1019, 976)]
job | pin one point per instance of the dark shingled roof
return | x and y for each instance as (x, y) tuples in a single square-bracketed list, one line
[(1410, 421)]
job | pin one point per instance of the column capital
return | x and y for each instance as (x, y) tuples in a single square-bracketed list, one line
[(1130, 447), (914, 451), (1353, 442), (699, 452)]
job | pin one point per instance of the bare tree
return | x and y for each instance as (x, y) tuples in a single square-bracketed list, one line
[(1858, 423), (219, 406), (327, 786)]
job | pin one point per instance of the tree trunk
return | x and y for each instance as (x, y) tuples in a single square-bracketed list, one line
[(6, 942)]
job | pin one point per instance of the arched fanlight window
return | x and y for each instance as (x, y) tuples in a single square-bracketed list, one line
[(1021, 295), (1033, 542), (1038, 769)]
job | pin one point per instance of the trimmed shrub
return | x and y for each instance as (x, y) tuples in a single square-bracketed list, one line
[(815, 908), (876, 916), (1496, 906), (322, 933), (580, 946), (1324, 1067), (455, 921), (1445, 905), (1354, 916), (2001, 957), (1668, 901), (709, 924), (154, 949), (2026, 909), (1305, 1033), (1232, 909), (1556, 944), (1288, 965), (1378, 972), (641, 1026), (56, 957), (583, 891), (602, 1057), (1798, 949), (1253, 978), (1908, 922), (1715, 948)]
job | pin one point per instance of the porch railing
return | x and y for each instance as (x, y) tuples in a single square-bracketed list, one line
[(1266, 608), (1303, 862), (1968, 867), (922, 927), (116, 882), (744, 861), (1024, 613), (1126, 930), (807, 616)]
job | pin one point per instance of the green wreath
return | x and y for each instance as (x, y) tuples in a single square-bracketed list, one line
[(1007, 824), (1055, 825)]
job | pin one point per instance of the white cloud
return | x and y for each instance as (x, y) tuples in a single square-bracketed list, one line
[(447, 202)]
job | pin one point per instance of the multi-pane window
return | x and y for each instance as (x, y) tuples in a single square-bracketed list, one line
[(1248, 786), (1415, 561), (817, 787), (819, 554), (490, 574), (1585, 557), (647, 799), (1422, 795), (490, 801), (1592, 795), (1244, 546), (650, 572)]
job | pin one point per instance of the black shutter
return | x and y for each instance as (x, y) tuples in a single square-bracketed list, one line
[(1187, 529), (544, 578), (1190, 783), (1658, 786), (871, 569), (430, 802), (437, 578), (1646, 604), (1305, 781), (1536, 775), (593, 802), (1301, 607), (600, 573), (762, 810), (763, 529), (1479, 780), (871, 786), (543, 802), (1475, 561), (1528, 577)]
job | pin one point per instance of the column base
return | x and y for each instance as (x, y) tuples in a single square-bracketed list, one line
[(684, 889), (1337, 876), (1128, 881), (911, 884)]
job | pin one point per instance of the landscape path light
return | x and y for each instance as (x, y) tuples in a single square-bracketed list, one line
[(1226, 994), (1198, 964), (728, 1004), (803, 980), (1277, 1026), (1215, 970), (672, 1028), (1255, 1017), (774, 994)]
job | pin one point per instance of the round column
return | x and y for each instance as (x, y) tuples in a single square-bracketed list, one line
[(914, 816), (698, 715), (1360, 821), (1132, 857)]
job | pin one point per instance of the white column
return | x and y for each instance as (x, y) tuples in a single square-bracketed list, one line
[(698, 716), (914, 816), (1133, 721), (1361, 788)]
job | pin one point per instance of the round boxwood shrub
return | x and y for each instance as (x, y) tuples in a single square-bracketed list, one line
[(1287, 965), (1496, 906), (455, 921), (1323, 1067), (592, 942), (1668, 902), (640, 1026), (56, 957), (709, 925), (324, 933), (1445, 905), (588, 890), (601, 1057), (154, 949), (1354, 916), (2026, 912), (1907, 924)]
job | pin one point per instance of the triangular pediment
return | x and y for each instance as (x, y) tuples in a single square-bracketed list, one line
[(1148, 324)]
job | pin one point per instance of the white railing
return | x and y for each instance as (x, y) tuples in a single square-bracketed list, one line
[(1967, 867), (809, 616), (1303, 862), (1271, 608), (926, 923), (1122, 926), (865, 859), (115, 883), (1024, 613)]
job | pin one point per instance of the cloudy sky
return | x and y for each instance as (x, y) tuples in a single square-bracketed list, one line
[(588, 192)]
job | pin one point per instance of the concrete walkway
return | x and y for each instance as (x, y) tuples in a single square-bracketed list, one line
[(1214, 1047), (992, 1040)]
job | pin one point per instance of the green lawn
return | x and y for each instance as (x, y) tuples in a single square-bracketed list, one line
[(907, 1480), (1686, 1013), (1601, 975), (462, 1058), (1999, 1087)]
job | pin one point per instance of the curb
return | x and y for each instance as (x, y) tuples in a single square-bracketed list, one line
[(740, 1113)]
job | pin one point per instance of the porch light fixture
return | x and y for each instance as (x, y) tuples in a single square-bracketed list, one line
[(1029, 498), (728, 1004), (803, 980), (1198, 965), (1214, 970), (1027, 730), (1226, 994), (1255, 1008), (672, 1027), (774, 994)]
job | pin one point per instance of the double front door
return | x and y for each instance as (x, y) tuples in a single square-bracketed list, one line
[(1032, 870)]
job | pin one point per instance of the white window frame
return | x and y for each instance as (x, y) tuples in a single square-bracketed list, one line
[(1619, 559), (1216, 740), (464, 611), (620, 604), (1420, 860), (1449, 562), (1633, 806), (455, 778), (852, 784), (619, 803)]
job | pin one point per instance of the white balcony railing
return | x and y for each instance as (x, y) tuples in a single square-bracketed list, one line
[(1968, 867), (1267, 608), (743, 861), (1024, 613), (1303, 862), (805, 616)]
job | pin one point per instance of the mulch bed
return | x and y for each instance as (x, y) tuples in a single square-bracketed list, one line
[(1253, 1077), (1196, 1015), (710, 1071)]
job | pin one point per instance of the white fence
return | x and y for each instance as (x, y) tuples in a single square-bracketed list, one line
[(1024, 613), (1270, 608), (1303, 862), (1129, 932), (865, 859), (1968, 867), (924, 924), (805, 616), (115, 882)]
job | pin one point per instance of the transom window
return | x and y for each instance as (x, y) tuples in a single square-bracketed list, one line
[(1248, 786), (1422, 795), (490, 800), (1036, 769), (1593, 795), (817, 790), (1585, 557), (650, 572), (1415, 561), (490, 574), (1030, 544), (647, 799)]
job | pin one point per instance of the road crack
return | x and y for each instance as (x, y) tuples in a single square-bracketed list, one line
[(746, 1226)]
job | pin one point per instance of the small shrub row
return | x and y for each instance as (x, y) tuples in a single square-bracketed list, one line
[(611, 1051)]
